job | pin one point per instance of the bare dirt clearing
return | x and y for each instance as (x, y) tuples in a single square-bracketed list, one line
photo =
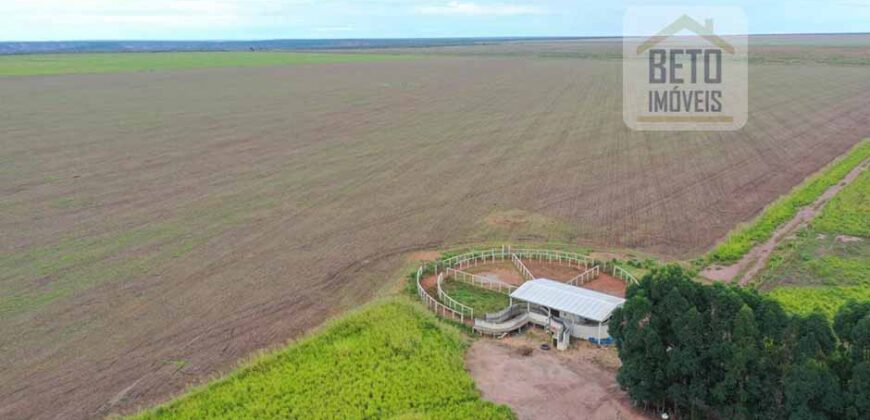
[(605, 283), (503, 272), (579, 383), (165, 219), (551, 271)]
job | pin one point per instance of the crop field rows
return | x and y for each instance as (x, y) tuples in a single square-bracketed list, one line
[(199, 215)]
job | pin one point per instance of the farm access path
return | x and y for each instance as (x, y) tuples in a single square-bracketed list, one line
[(744, 270), (536, 384)]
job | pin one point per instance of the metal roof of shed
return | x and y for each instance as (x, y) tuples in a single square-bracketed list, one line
[(582, 302)]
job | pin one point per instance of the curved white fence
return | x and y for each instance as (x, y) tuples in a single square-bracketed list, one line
[(433, 304), (506, 253), (480, 281), (561, 257), (622, 274), (449, 301), (454, 265)]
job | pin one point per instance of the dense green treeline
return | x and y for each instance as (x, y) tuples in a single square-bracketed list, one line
[(723, 351)]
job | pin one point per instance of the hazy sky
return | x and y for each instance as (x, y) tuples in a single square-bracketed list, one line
[(265, 19)]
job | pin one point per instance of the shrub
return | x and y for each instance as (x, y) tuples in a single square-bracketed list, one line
[(388, 360)]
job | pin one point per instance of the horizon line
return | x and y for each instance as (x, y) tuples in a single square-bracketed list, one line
[(493, 37)]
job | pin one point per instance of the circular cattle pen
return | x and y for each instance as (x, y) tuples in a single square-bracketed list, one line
[(503, 290)]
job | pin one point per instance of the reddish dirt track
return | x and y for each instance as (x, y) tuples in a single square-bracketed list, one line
[(543, 269), (430, 283), (506, 272), (605, 283), (503, 272)]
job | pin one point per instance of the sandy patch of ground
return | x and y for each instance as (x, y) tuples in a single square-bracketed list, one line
[(605, 283), (552, 271), (747, 267), (577, 384), (506, 273), (425, 256), (429, 283), (501, 272), (847, 238)]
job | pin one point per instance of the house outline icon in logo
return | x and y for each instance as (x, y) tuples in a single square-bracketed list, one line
[(683, 35), (684, 22)]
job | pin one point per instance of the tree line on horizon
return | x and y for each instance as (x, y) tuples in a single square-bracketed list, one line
[(702, 351)]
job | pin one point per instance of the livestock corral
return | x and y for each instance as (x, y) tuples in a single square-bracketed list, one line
[(566, 303), (161, 225)]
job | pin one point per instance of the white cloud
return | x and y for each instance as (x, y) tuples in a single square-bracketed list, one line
[(458, 8)]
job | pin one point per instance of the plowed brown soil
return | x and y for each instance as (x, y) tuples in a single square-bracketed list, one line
[(158, 227)]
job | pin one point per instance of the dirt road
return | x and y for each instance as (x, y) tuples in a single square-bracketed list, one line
[(549, 384), (755, 260)]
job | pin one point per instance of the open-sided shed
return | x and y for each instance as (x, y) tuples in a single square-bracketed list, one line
[(585, 311)]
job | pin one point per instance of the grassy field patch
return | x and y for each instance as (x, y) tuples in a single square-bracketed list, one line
[(824, 299), (389, 360), (482, 300), (848, 213), (814, 258), (47, 64)]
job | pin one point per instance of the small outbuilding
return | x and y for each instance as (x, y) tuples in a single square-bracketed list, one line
[(585, 313)]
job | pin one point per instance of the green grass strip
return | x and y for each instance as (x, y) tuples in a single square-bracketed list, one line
[(482, 300), (824, 299), (741, 240), (54, 64), (848, 213), (390, 359)]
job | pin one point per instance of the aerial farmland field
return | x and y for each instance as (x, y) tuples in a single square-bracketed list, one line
[(159, 226)]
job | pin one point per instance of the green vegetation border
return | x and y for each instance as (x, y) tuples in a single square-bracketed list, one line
[(826, 300), (744, 237), (388, 359), (482, 300), (56, 64), (824, 273)]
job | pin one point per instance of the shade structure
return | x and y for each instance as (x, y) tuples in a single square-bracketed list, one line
[(582, 302)]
